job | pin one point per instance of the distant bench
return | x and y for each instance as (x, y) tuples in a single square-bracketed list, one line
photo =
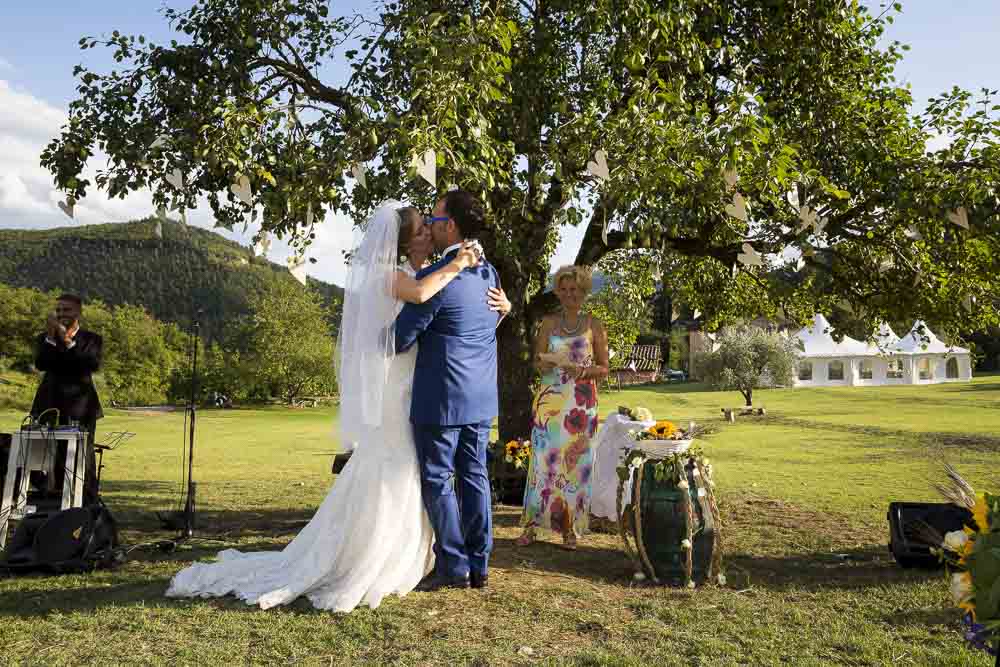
[(640, 366)]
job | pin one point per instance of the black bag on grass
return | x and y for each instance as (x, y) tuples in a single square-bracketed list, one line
[(907, 540), (79, 539)]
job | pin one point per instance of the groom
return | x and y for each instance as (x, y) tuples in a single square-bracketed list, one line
[(455, 399)]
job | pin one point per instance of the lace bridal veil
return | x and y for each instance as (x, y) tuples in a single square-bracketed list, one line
[(367, 334)]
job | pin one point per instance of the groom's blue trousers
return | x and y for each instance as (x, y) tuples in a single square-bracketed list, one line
[(453, 458)]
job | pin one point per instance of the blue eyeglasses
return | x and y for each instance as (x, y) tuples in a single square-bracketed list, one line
[(431, 220)]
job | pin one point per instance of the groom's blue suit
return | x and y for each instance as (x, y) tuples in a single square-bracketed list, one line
[(454, 403)]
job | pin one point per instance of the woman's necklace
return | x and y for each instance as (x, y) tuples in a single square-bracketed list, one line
[(565, 329)]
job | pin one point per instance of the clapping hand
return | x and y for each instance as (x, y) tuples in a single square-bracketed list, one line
[(55, 329)]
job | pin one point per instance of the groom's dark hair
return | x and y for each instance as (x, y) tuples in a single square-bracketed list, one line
[(466, 211)]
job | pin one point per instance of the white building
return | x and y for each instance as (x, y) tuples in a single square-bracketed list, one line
[(917, 358)]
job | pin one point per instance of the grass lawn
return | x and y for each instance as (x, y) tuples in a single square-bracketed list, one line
[(803, 494)]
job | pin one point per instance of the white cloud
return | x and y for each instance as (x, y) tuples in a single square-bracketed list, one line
[(29, 200)]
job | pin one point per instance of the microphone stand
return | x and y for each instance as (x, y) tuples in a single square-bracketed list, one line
[(183, 521), (188, 527)]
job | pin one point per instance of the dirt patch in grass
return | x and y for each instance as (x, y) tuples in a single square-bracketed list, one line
[(778, 545)]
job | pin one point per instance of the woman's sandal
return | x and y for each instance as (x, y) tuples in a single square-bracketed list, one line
[(569, 542), (526, 538)]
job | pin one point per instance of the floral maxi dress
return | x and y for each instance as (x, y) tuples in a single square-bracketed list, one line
[(564, 419)]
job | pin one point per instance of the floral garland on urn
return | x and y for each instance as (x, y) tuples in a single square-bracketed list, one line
[(685, 469), (973, 555)]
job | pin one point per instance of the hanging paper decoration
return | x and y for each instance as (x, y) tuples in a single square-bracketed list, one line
[(360, 174), (241, 188), (426, 166), (297, 267), (793, 197), (309, 214), (731, 178), (598, 167), (159, 142), (161, 212), (67, 206), (749, 256), (263, 245), (158, 229), (959, 217), (176, 179), (738, 209)]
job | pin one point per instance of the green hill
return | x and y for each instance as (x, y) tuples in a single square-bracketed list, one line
[(189, 268)]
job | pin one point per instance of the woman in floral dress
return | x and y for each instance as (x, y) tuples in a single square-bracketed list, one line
[(571, 352)]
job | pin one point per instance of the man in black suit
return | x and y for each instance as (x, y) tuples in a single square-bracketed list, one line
[(69, 356)]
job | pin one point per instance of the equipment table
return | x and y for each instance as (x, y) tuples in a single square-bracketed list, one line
[(35, 449)]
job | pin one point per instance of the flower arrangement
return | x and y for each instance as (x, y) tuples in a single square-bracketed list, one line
[(666, 430), (973, 554), (517, 452), (661, 430)]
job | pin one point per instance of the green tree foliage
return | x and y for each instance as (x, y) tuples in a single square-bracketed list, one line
[(515, 97), (22, 317), (137, 362), (140, 353), (622, 303), (188, 269), (749, 358), (291, 347)]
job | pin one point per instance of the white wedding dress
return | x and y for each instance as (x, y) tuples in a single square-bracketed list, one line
[(370, 538)]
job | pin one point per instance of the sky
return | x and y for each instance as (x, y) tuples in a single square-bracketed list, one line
[(952, 43)]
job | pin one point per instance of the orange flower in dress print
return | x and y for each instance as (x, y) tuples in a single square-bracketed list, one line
[(579, 447)]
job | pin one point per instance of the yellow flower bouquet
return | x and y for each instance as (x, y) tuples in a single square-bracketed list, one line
[(664, 430), (517, 452), (973, 556)]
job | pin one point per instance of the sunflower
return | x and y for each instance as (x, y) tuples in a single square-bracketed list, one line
[(662, 429), (981, 513)]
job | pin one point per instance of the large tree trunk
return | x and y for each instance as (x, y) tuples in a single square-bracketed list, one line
[(516, 379)]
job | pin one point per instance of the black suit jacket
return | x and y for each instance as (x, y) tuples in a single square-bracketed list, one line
[(68, 383)]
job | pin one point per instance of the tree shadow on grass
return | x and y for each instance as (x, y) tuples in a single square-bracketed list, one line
[(39, 596), (851, 569)]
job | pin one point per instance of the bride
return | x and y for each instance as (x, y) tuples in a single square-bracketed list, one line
[(371, 536)]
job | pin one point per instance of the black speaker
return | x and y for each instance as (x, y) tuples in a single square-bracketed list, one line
[(78, 539), (907, 528)]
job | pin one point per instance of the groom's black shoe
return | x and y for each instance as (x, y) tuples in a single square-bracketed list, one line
[(477, 580), (434, 582)]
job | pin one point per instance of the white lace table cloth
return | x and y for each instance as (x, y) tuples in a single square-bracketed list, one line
[(613, 441)]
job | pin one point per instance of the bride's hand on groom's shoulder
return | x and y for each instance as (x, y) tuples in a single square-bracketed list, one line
[(498, 300), (469, 255)]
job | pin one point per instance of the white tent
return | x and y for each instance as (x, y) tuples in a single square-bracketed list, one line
[(913, 359)]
